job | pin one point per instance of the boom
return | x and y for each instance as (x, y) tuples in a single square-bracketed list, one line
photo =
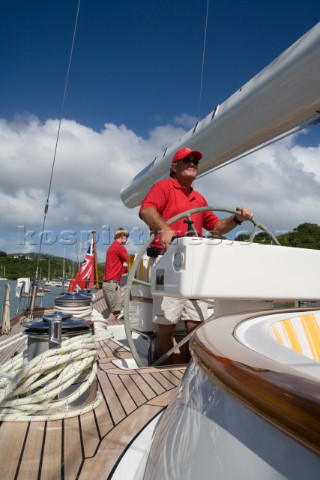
[(282, 96)]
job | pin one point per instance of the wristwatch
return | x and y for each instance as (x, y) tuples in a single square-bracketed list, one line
[(236, 220)]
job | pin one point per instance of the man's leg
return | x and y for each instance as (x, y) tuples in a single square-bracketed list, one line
[(122, 291), (107, 296), (117, 303), (164, 341), (194, 313), (190, 326), (113, 300), (113, 316), (166, 313)]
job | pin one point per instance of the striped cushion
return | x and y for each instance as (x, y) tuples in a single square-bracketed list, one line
[(300, 333)]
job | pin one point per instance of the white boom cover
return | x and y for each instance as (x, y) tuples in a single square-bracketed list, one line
[(282, 96), (195, 267)]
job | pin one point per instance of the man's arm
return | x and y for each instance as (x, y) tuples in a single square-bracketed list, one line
[(227, 224), (153, 219)]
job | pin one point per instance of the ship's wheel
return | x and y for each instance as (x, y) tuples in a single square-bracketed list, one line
[(257, 226)]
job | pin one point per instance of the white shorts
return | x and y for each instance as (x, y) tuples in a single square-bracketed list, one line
[(169, 310)]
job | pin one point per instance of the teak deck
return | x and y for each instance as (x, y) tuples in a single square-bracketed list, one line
[(90, 446)]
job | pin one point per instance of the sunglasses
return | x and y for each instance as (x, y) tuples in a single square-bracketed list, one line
[(189, 161)]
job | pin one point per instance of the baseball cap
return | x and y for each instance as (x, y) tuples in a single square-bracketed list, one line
[(185, 152)]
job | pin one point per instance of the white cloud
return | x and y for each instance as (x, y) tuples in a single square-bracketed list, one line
[(185, 121), (280, 183)]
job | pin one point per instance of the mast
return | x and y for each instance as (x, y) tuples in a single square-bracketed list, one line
[(64, 264), (96, 274)]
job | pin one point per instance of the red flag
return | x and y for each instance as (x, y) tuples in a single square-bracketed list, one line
[(85, 276)]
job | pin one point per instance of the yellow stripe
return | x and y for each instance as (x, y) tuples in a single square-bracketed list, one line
[(312, 332), (275, 331), (292, 336), (311, 329)]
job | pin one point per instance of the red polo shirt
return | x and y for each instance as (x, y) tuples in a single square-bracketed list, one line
[(170, 198), (115, 257)]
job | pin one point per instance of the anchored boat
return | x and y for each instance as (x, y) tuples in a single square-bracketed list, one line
[(247, 405)]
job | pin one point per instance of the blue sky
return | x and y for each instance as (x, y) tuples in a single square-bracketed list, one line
[(139, 63), (134, 88)]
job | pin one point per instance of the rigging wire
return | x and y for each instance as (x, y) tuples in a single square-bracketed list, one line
[(46, 208), (203, 58), (310, 123)]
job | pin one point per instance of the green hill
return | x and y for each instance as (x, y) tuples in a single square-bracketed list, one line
[(306, 235), (17, 265)]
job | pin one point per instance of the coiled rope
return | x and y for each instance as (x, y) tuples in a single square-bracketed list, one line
[(78, 312), (29, 390), (89, 313), (100, 325)]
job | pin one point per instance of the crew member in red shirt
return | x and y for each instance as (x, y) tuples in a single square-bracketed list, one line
[(116, 263), (166, 199)]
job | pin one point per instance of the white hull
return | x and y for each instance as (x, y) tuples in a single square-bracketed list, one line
[(223, 438), (208, 433)]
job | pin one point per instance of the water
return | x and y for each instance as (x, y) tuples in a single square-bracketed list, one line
[(20, 304), (48, 299)]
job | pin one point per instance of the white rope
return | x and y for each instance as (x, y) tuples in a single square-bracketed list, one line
[(12, 340), (78, 312), (29, 390), (100, 326), (100, 323)]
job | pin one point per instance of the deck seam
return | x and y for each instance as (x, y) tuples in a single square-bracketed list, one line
[(105, 400), (42, 449), (22, 452)]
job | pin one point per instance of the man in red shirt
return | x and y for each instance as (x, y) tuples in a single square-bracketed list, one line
[(166, 199), (116, 263)]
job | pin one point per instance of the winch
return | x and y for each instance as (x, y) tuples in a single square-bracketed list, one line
[(77, 304), (49, 332)]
